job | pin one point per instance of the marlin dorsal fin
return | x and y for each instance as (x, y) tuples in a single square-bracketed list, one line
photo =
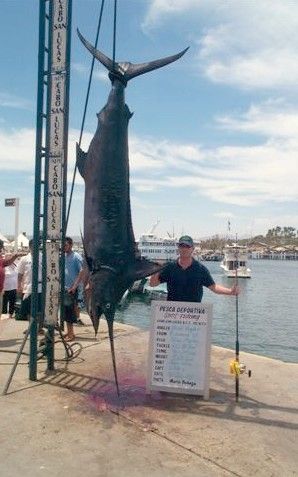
[(88, 259), (81, 160)]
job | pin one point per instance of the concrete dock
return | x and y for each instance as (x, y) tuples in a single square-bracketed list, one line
[(70, 422)]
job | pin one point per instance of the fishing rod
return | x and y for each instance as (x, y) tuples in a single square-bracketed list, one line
[(237, 348), (237, 368)]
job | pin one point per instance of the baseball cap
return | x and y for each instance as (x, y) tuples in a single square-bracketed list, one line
[(186, 240)]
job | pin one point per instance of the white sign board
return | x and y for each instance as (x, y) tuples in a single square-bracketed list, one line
[(55, 193), (179, 347), (57, 114), (57, 152), (60, 19), (53, 283)]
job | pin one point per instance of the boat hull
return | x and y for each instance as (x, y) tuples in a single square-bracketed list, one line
[(240, 273)]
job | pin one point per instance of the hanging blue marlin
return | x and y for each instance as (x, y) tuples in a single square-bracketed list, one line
[(109, 243)]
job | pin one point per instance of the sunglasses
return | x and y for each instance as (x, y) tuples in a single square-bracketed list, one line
[(182, 245)]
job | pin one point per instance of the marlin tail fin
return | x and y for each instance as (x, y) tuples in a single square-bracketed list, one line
[(126, 71)]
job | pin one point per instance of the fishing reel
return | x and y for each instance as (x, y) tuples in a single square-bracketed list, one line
[(237, 368)]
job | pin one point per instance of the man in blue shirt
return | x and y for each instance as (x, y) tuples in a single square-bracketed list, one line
[(73, 277), (186, 277)]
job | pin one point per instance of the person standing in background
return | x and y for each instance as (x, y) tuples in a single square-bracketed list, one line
[(25, 287), (73, 277), (10, 289), (4, 262), (186, 277)]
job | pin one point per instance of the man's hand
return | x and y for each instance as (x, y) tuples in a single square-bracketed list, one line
[(235, 290), (154, 280)]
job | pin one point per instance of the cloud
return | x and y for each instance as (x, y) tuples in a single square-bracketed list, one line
[(8, 100), (236, 175), (273, 118), (17, 149), (257, 70), (83, 70), (246, 175), (264, 223), (224, 215), (255, 54), (159, 9)]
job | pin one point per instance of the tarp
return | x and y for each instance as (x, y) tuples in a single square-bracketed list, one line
[(5, 239)]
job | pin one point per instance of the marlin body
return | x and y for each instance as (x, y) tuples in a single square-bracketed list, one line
[(109, 243)]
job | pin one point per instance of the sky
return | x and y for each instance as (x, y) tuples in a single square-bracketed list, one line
[(214, 136)]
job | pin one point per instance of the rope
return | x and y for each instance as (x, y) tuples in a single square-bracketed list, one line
[(114, 33), (88, 92), (85, 110)]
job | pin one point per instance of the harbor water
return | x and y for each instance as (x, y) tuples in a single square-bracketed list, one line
[(268, 310)]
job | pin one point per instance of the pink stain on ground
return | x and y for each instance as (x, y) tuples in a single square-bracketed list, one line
[(132, 390)]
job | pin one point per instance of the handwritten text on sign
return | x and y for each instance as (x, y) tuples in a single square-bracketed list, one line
[(180, 346)]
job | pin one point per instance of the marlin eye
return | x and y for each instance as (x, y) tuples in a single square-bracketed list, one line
[(108, 306)]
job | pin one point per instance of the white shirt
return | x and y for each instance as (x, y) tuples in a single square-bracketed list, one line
[(11, 277), (25, 269)]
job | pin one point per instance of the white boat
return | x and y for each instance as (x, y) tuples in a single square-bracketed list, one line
[(235, 259), (157, 249)]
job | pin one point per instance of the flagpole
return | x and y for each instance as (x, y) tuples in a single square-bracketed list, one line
[(16, 227)]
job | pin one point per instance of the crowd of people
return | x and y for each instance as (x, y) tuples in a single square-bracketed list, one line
[(16, 282)]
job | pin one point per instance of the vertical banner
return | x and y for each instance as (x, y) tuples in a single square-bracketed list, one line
[(56, 153), (53, 281), (179, 349), (55, 196), (59, 36)]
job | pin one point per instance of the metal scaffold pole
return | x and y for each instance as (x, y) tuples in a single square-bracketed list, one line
[(39, 156), (50, 171), (56, 165)]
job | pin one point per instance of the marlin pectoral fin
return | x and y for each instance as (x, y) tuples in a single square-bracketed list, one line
[(81, 160), (143, 268), (127, 70)]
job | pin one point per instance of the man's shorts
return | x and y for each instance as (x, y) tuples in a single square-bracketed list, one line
[(70, 301), (25, 308)]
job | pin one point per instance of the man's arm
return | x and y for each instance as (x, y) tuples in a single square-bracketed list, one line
[(20, 285), (77, 281), (154, 280), (220, 290), (21, 272), (9, 261)]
